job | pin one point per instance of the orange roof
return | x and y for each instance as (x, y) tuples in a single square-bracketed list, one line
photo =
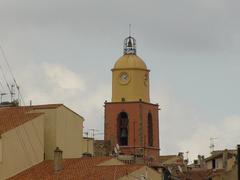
[(166, 157), (197, 174), (12, 117), (80, 168)]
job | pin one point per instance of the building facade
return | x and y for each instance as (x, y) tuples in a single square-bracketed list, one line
[(30, 134), (131, 120), (21, 140), (63, 128)]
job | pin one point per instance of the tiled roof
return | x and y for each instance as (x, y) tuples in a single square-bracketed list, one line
[(80, 168), (45, 106), (197, 174), (219, 153), (166, 157), (12, 117)]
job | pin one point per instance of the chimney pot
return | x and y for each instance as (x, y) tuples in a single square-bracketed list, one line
[(58, 164)]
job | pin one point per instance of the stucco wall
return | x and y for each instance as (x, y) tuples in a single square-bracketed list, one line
[(132, 91), (63, 129), (49, 131), (228, 175), (87, 145), (218, 163), (209, 164), (22, 147), (69, 133)]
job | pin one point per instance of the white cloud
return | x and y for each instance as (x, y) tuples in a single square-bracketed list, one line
[(225, 132), (55, 83), (183, 128), (63, 77)]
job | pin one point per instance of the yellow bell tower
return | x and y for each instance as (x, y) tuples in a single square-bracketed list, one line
[(131, 121), (130, 76)]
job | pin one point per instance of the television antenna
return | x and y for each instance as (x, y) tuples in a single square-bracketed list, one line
[(212, 144), (2, 94), (93, 130)]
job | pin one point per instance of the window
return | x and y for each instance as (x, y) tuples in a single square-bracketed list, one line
[(150, 130), (123, 129), (213, 164)]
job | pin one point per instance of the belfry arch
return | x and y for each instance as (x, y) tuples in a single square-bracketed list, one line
[(122, 126), (150, 129)]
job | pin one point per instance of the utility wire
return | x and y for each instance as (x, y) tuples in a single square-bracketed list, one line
[(5, 79), (10, 70), (2, 91), (1, 86)]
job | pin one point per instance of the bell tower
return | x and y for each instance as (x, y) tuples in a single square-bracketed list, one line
[(131, 120)]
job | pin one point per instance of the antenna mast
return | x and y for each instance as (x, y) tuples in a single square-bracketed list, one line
[(93, 132), (14, 80), (212, 145)]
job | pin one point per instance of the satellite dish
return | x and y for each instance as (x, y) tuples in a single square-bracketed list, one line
[(115, 150), (180, 169), (169, 169), (117, 146)]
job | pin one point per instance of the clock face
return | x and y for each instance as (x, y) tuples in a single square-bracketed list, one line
[(124, 78), (146, 79)]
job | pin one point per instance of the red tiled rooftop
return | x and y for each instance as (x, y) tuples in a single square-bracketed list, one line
[(45, 106), (12, 117), (197, 174), (81, 168), (166, 157)]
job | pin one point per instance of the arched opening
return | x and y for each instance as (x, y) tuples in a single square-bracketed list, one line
[(123, 129), (150, 130)]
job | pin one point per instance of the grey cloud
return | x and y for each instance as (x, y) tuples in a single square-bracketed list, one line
[(191, 46)]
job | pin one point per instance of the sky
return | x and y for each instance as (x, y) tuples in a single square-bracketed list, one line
[(62, 51)]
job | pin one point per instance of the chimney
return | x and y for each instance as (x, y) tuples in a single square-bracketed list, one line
[(225, 157), (180, 154), (58, 164), (201, 161)]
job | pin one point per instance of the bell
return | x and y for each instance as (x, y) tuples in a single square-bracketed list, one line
[(123, 133), (129, 43)]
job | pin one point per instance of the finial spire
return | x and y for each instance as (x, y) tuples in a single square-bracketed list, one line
[(130, 30), (129, 44)]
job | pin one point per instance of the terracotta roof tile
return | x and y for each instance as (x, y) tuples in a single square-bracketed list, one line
[(80, 168), (198, 174), (12, 117), (44, 106), (166, 157)]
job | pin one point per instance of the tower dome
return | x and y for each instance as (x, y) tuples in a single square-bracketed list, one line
[(130, 76), (130, 59)]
